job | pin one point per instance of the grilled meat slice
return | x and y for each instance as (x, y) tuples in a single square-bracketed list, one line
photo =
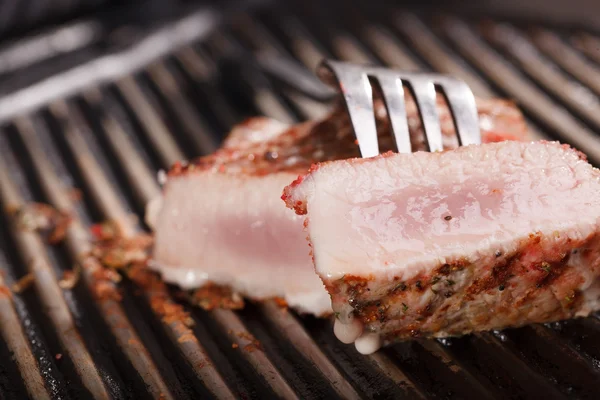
[(443, 244), (221, 219)]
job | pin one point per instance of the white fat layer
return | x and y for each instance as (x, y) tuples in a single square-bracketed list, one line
[(161, 177), (368, 343), (153, 207), (315, 302), (249, 242), (347, 333), (187, 279)]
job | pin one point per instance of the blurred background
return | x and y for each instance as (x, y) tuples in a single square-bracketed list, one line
[(18, 17)]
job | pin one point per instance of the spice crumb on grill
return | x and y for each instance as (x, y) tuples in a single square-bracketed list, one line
[(23, 284), (129, 256), (105, 231), (213, 296), (244, 335), (255, 345), (104, 290), (187, 338), (58, 356), (51, 223), (75, 194), (70, 278), (280, 302), (5, 292), (234, 346)]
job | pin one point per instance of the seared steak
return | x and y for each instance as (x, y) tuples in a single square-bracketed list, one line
[(221, 219), (443, 244)]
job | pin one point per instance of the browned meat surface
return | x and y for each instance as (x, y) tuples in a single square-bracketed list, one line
[(262, 146), (443, 244), (221, 219)]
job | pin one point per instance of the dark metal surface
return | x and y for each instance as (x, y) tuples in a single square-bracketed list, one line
[(112, 131)]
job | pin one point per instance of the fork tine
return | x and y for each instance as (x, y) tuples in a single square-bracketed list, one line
[(393, 96), (464, 110), (354, 82), (358, 94), (425, 96)]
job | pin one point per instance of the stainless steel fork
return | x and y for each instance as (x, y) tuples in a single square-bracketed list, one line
[(354, 81)]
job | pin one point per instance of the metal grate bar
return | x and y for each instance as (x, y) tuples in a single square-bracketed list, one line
[(46, 284), (43, 356), (124, 149), (588, 44), (78, 241), (423, 41), (459, 368), (262, 41), (266, 99), (581, 372), (301, 42), (149, 118), (349, 49), (389, 49), (444, 61), (522, 373), (569, 59), (253, 353), (541, 351), (570, 92), (196, 129), (70, 123), (511, 81), (387, 366), (16, 341), (257, 36), (290, 327), (178, 332), (581, 335), (203, 73)]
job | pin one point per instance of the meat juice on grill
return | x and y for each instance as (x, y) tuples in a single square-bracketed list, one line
[(442, 244), (221, 220)]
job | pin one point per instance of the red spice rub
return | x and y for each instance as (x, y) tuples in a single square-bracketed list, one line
[(213, 296), (130, 255), (51, 223), (515, 285), (296, 148)]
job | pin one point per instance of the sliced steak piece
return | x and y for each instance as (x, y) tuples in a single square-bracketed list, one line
[(221, 219), (443, 244)]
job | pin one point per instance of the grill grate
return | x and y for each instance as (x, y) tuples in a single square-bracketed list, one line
[(110, 139)]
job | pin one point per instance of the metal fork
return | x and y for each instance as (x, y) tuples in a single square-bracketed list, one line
[(354, 81)]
